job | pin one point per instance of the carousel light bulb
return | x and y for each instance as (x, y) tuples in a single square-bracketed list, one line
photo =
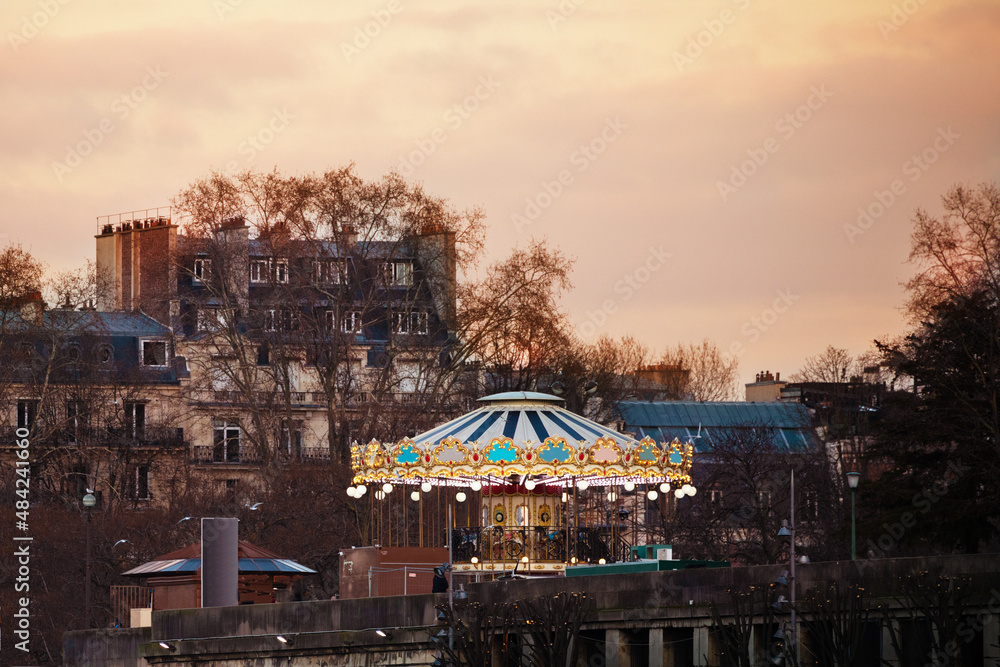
[(426, 487), (582, 485), (612, 497), (524, 559), (573, 560), (352, 492), (629, 486), (380, 495), (565, 496), (460, 496), (415, 496), (474, 560), (652, 495), (387, 487), (686, 489), (476, 486), (602, 562), (692, 491), (664, 488), (530, 485), (360, 490), (678, 494)]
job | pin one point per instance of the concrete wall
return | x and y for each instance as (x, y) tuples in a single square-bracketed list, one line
[(655, 618), (111, 647)]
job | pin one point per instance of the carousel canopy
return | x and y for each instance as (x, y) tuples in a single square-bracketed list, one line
[(523, 434)]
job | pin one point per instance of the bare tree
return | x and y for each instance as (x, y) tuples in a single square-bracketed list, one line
[(839, 365), (359, 286), (743, 494), (957, 253), (713, 375), (510, 322)]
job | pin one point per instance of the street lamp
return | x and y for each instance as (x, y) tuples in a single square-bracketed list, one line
[(88, 501), (788, 530), (852, 481)]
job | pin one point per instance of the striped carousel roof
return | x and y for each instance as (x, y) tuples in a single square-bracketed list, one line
[(524, 434), (522, 417)]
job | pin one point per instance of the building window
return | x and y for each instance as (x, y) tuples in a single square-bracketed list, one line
[(76, 419), (142, 482), (811, 505), (74, 353), (105, 354), (27, 411), (260, 270), (226, 441), (266, 270), (327, 271), (765, 500), (202, 270), (409, 323), (410, 377), (153, 352), (715, 497), (399, 274), (351, 322), (290, 438), (209, 319), (283, 319), (135, 420)]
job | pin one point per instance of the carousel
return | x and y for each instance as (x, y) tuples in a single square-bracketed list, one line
[(532, 485)]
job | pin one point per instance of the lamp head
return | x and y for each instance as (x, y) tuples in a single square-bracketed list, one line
[(853, 478), (89, 500)]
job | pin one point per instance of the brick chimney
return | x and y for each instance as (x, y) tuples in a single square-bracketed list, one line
[(33, 308)]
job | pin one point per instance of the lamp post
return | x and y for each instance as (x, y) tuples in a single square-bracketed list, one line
[(788, 530), (852, 481), (88, 501)]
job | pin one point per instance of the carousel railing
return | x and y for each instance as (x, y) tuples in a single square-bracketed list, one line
[(538, 543)]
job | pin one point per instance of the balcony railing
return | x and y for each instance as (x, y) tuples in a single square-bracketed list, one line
[(244, 455), (269, 397), (320, 398), (538, 543), (85, 436)]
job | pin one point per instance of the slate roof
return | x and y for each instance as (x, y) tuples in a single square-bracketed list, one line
[(665, 420), (101, 323)]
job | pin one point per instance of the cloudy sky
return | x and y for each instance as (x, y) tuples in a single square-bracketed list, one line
[(742, 170)]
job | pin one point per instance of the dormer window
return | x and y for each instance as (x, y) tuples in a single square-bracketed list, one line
[(266, 270), (410, 323), (201, 271), (153, 353), (399, 274), (350, 322), (259, 270), (326, 271)]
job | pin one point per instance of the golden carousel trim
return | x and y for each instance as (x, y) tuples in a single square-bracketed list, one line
[(554, 461)]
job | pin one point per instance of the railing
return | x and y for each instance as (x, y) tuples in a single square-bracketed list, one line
[(269, 397), (126, 598), (538, 543), (209, 454), (84, 436), (406, 580), (320, 398), (141, 219)]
